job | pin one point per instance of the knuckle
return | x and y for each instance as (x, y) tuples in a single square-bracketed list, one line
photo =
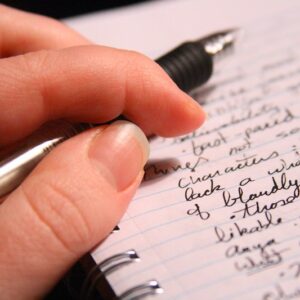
[(145, 69), (34, 66), (139, 62), (56, 210), (139, 72), (34, 62)]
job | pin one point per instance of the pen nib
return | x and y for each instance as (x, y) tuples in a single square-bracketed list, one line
[(218, 42)]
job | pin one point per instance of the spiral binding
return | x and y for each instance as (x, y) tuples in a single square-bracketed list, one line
[(112, 264), (106, 267), (117, 261), (149, 288)]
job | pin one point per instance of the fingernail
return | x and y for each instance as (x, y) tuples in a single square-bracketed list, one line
[(120, 152)]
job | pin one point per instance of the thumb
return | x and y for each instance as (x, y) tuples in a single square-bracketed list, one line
[(70, 202)]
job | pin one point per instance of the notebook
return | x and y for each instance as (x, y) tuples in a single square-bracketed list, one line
[(218, 213)]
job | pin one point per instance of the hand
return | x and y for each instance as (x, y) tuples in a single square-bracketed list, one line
[(78, 193)]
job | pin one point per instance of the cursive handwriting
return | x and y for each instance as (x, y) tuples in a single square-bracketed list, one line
[(237, 231), (198, 149), (234, 120), (285, 166), (253, 264), (168, 166), (288, 117), (246, 162), (237, 250), (277, 185), (279, 293), (190, 194), (197, 211)]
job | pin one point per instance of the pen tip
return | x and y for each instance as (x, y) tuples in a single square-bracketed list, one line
[(220, 41), (236, 34)]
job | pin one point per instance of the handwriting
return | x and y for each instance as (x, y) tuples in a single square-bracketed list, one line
[(246, 162), (198, 149), (285, 166), (237, 250), (258, 208), (288, 117), (197, 211), (283, 184), (250, 161), (234, 120), (190, 194), (264, 260), (165, 167), (295, 266), (240, 148), (279, 293), (237, 231), (287, 133)]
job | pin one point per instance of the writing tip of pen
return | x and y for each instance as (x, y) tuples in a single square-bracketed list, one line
[(238, 36), (237, 33), (220, 41), (234, 35)]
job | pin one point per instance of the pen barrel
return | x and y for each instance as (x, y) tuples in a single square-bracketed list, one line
[(18, 160), (189, 65)]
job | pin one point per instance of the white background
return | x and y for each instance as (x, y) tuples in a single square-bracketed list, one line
[(155, 26)]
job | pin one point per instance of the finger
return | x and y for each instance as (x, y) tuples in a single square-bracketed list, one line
[(23, 32), (70, 202), (91, 84)]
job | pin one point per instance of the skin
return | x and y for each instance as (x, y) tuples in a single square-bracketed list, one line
[(79, 192)]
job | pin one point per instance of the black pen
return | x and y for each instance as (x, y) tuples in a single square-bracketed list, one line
[(189, 65)]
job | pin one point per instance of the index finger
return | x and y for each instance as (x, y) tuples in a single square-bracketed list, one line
[(91, 84)]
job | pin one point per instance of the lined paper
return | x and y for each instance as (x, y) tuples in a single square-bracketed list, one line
[(218, 214)]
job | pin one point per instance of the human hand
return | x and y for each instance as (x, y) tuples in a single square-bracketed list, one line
[(78, 193)]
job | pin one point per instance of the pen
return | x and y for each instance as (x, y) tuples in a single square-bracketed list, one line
[(189, 65)]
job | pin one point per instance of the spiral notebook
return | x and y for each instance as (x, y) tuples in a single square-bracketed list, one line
[(218, 213)]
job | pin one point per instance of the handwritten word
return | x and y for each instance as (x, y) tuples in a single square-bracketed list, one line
[(199, 149), (203, 215), (237, 149), (190, 194), (285, 166), (243, 163), (285, 134), (234, 120), (237, 250), (162, 168), (256, 264), (281, 294), (270, 124), (237, 231), (283, 184)]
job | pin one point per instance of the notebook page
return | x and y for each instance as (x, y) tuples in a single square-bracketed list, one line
[(218, 214)]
